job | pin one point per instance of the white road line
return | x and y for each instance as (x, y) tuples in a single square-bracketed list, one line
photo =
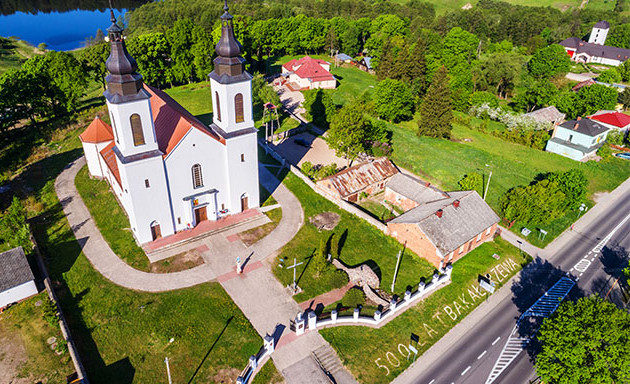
[(479, 357), (432, 381), (465, 370), (496, 340)]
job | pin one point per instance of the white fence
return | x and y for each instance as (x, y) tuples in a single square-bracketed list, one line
[(257, 361)]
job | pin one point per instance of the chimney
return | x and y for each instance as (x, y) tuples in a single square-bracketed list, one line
[(456, 203), (577, 124), (439, 213)]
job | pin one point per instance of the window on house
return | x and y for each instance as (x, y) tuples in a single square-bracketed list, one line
[(196, 176), (461, 249), (179, 220), (242, 157), (479, 237), (570, 138), (216, 101), (238, 107), (488, 230), (136, 130), (146, 183)]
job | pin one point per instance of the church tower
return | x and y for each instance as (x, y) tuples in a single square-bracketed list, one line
[(143, 189), (599, 33), (231, 87)]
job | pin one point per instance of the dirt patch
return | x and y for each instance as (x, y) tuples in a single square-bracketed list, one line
[(179, 262), (253, 235), (225, 376), (600, 196), (12, 357), (325, 220)]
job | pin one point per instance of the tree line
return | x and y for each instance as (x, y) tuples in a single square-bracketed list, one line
[(9, 7)]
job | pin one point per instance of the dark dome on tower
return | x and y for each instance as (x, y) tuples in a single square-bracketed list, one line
[(229, 65)]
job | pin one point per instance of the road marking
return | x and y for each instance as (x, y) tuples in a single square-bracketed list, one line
[(582, 265), (465, 370), (496, 340), (479, 357), (432, 381)]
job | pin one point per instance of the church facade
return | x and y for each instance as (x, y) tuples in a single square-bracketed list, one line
[(169, 170)]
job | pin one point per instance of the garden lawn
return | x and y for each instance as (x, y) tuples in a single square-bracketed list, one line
[(110, 218), (23, 323), (376, 209), (445, 162), (443, 6), (352, 82), (379, 355), (363, 243), (16, 54)]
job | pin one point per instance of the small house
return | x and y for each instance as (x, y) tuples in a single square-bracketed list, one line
[(343, 58), (369, 178), (549, 115), (308, 73), (365, 64), (613, 120), (577, 139), (16, 277)]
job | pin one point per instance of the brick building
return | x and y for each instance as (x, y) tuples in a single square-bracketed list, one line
[(440, 227)]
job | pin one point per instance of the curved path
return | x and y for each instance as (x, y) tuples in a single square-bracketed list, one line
[(117, 271)]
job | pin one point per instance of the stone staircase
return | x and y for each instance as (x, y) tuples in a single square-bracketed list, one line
[(327, 359)]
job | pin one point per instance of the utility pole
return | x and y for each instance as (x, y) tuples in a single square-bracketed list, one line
[(396, 270), (168, 371), (485, 191)]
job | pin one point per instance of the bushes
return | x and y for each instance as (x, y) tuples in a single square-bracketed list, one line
[(616, 138), (472, 181), (338, 278), (354, 297), (393, 100), (319, 107), (318, 172), (13, 227)]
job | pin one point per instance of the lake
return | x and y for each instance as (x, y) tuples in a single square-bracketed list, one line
[(63, 28)]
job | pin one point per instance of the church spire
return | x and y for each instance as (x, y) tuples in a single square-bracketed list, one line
[(124, 83), (229, 64)]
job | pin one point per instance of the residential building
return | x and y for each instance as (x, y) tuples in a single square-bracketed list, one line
[(365, 64), (16, 277), (342, 57), (549, 115), (369, 178), (407, 193), (169, 170), (443, 230), (613, 120), (594, 51), (308, 73), (577, 139)]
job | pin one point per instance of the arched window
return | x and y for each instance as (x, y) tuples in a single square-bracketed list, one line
[(197, 178), (218, 111), (136, 130), (238, 107)]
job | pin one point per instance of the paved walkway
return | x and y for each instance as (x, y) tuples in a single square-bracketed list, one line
[(520, 243), (117, 271)]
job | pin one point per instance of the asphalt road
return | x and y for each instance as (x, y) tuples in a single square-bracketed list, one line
[(474, 356)]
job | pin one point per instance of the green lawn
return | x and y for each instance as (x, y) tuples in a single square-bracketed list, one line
[(601, 5), (445, 162), (24, 324), (377, 210), (110, 219), (442, 6), (378, 355), (16, 54), (352, 82), (363, 243)]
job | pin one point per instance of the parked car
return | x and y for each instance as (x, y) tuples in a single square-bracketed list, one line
[(302, 143)]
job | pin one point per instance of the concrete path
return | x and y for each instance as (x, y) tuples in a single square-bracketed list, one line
[(520, 243), (117, 271)]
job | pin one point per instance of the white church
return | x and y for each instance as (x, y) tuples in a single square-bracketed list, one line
[(594, 50), (169, 170)]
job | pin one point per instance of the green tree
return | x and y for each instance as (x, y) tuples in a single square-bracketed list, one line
[(484, 97), (22, 95), (354, 297), (13, 227), (151, 51), (573, 184), (349, 132), (587, 341), (320, 262), (319, 107), (619, 36), (436, 112), (549, 62), (538, 94), (610, 75), (459, 46), (567, 103), (594, 98), (538, 203), (624, 71), (472, 181), (180, 40), (501, 71), (393, 100), (93, 59), (624, 98), (201, 50)]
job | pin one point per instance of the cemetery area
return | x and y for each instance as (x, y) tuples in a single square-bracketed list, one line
[(352, 240), (379, 355)]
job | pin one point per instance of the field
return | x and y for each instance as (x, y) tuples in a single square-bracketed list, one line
[(448, 5), (445, 162), (379, 355), (352, 83), (360, 242), (14, 52)]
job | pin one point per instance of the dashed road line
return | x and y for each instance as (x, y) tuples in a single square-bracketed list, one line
[(496, 340), (432, 381), (480, 356), (465, 371)]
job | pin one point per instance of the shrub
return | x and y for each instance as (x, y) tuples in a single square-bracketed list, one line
[(320, 263), (354, 297), (13, 227), (609, 76), (472, 181), (616, 138), (484, 97), (49, 312), (605, 152), (338, 278)]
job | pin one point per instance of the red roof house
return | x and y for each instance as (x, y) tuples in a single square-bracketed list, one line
[(308, 73), (615, 120), (97, 132)]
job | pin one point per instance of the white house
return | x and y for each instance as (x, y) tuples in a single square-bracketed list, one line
[(577, 139), (309, 73), (594, 51), (169, 170), (16, 277), (613, 120)]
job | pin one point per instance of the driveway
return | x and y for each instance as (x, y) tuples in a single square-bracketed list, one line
[(291, 101), (318, 153)]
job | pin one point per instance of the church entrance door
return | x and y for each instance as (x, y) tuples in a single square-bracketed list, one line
[(244, 203), (156, 232), (201, 214)]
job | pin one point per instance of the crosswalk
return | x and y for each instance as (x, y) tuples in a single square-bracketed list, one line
[(543, 307)]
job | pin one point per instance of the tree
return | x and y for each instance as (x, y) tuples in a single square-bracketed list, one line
[(484, 97), (573, 184), (539, 94), (624, 98), (320, 262), (93, 59), (319, 107), (594, 98), (21, 97), (587, 341), (624, 70), (151, 51), (610, 76), (436, 112), (501, 71), (538, 203), (393, 100), (472, 181), (354, 297), (459, 46), (619, 36), (349, 131), (201, 50), (549, 62), (566, 102), (180, 39)]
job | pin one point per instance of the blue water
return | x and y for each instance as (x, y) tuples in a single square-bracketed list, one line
[(60, 31)]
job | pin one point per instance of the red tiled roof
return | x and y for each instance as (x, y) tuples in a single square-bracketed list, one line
[(617, 119), (309, 68), (110, 159), (582, 84), (97, 132), (172, 122)]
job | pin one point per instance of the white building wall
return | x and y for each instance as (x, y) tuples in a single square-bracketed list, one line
[(328, 84), (197, 148), (598, 36), (146, 205), (120, 115), (18, 293), (92, 156), (243, 174), (226, 93)]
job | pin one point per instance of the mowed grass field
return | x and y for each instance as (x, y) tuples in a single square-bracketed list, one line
[(17, 52), (443, 6)]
